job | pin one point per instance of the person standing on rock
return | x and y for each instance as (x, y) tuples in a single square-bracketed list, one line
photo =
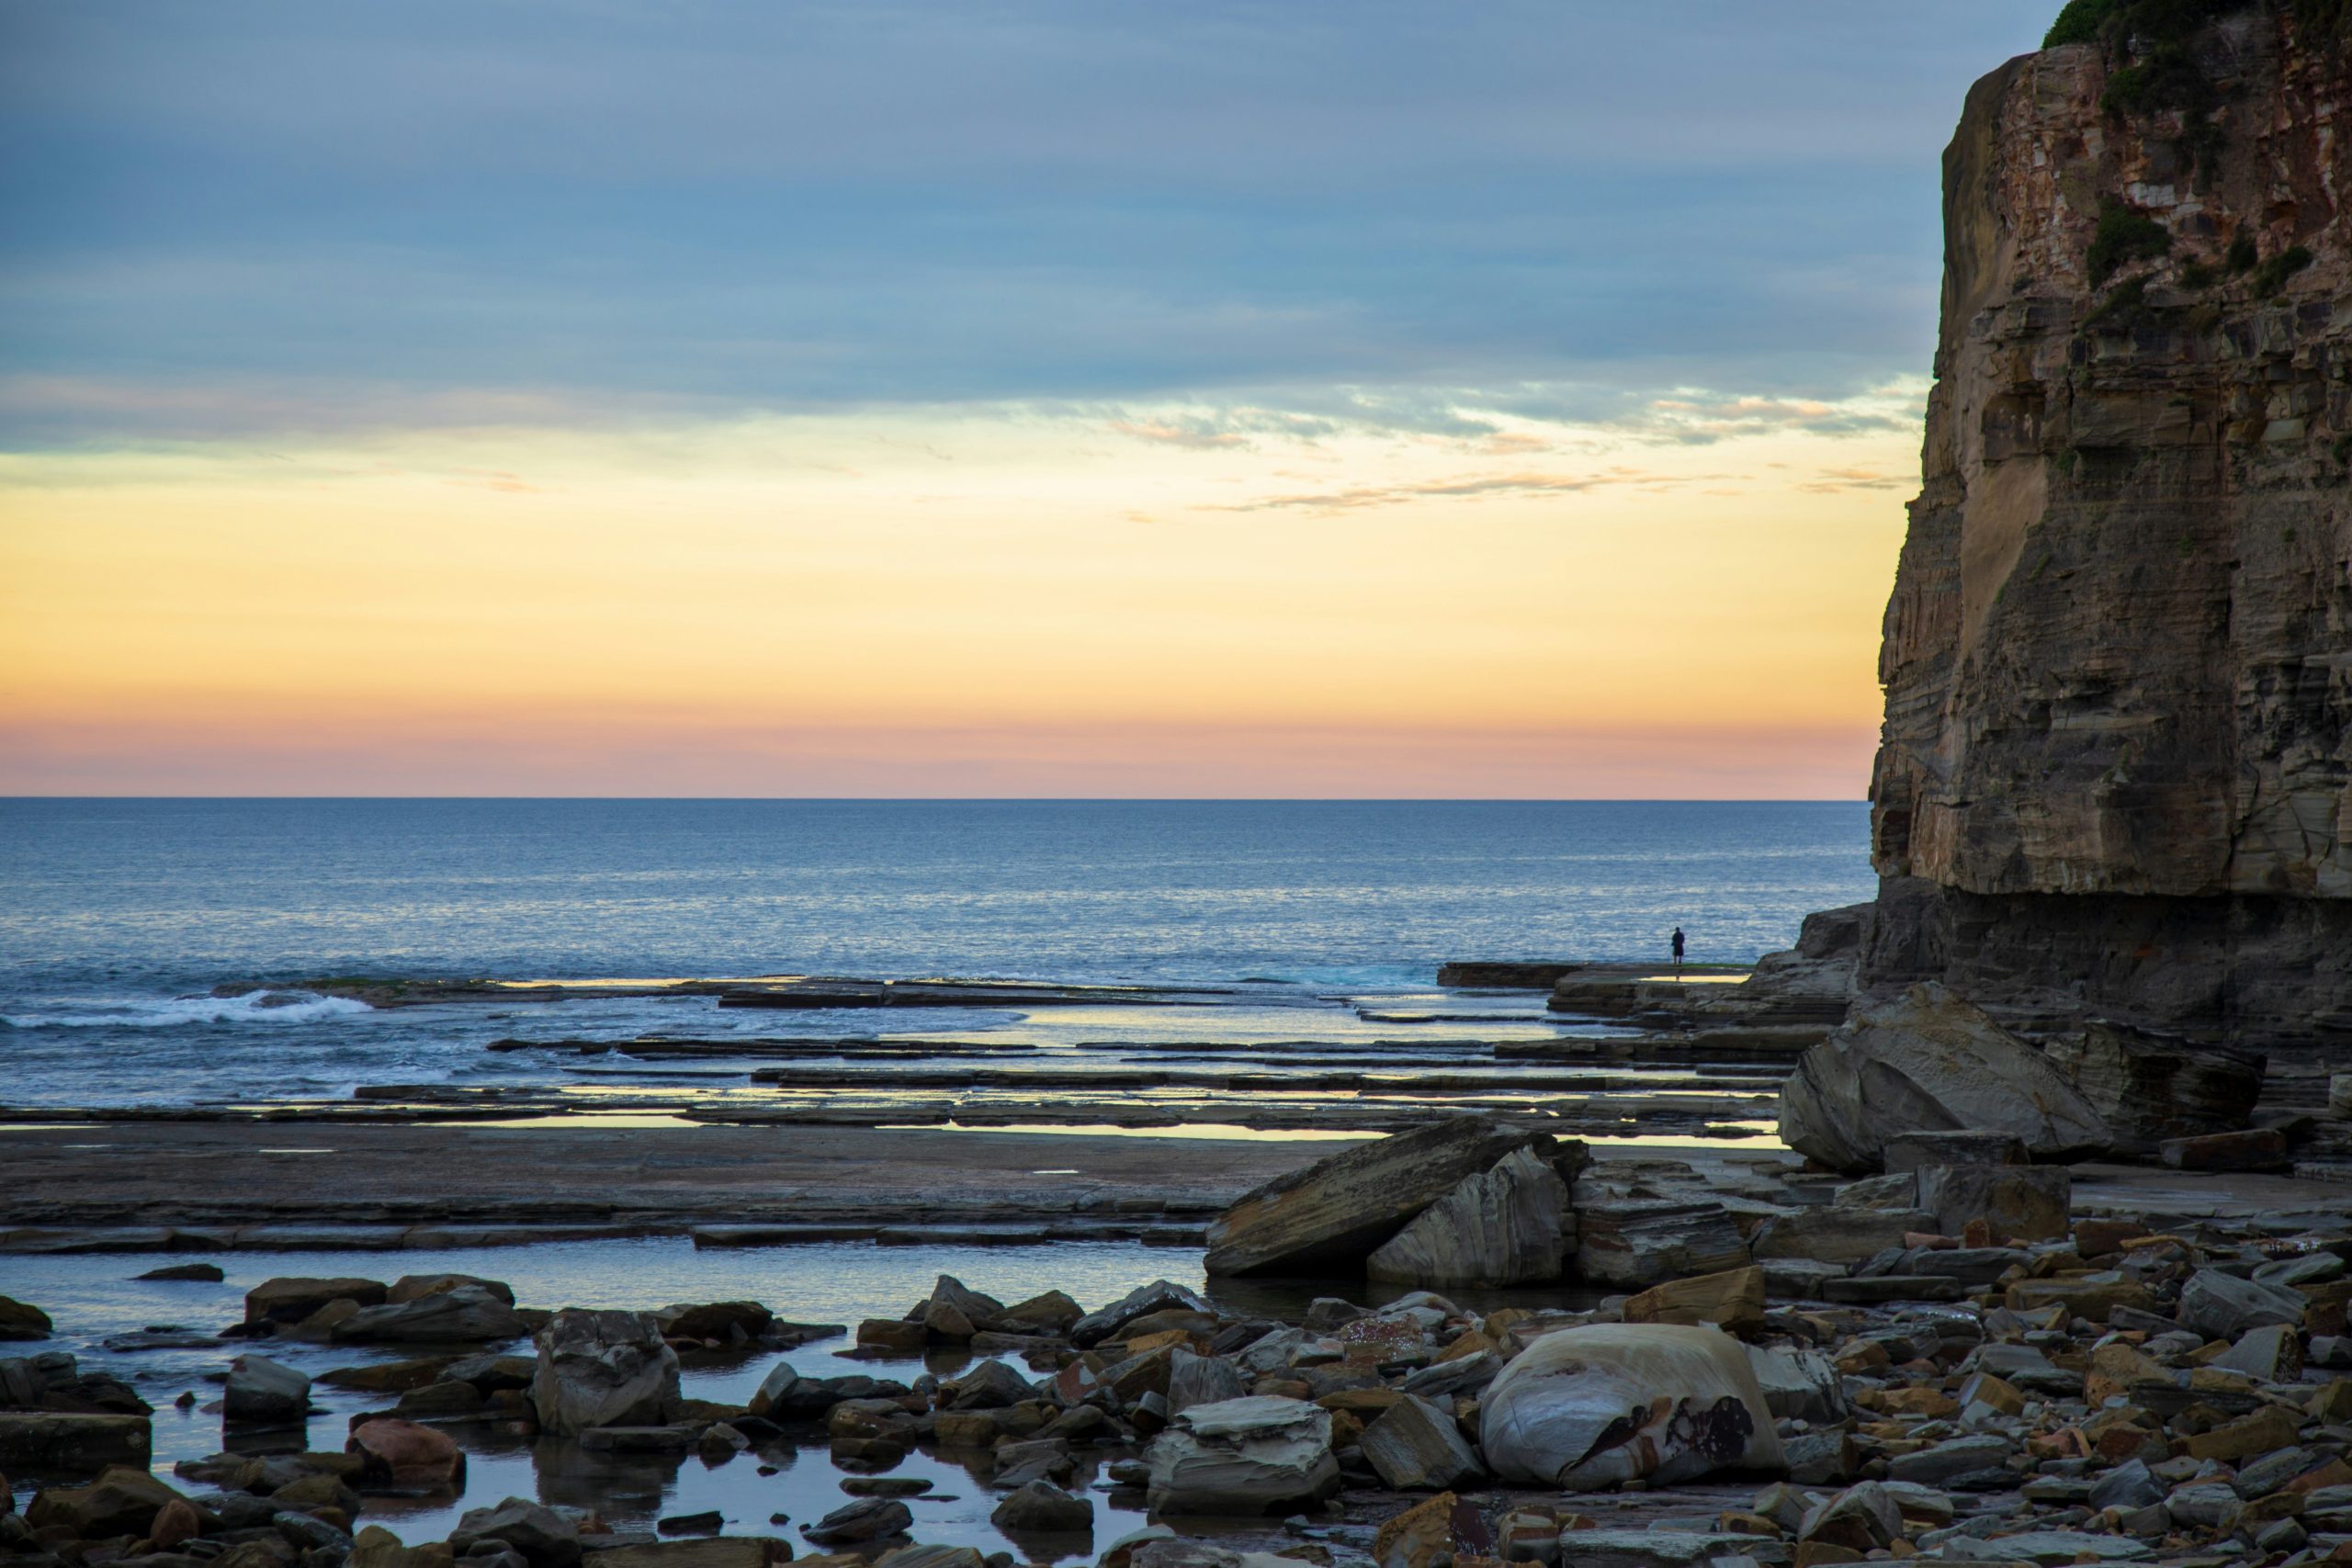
[(1677, 953)]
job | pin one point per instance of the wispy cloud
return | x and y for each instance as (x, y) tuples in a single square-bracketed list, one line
[(1357, 498), (1833, 481)]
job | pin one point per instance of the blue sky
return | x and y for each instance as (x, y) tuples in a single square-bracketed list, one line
[(234, 218), (497, 397)]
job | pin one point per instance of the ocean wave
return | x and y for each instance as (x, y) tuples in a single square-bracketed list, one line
[(252, 1007)]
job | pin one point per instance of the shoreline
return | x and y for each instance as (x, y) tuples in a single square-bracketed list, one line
[(264, 1186)]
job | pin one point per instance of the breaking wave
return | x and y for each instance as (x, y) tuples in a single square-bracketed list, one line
[(252, 1007)]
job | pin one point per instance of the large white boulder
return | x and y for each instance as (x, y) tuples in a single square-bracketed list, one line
[(1252, 1455), (1930, 1062), (1589, 1408)]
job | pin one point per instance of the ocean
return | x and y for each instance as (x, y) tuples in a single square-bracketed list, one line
[(152, 952)]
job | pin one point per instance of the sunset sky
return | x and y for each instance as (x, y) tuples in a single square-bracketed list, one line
[(741, 399)]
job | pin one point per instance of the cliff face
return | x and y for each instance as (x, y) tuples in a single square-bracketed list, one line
[(2116, 770)]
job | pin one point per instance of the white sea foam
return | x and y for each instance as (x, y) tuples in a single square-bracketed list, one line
[(252, 1007)]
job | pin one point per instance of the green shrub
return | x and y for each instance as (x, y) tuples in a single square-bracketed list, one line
[(2272, 275), (2200, 275), (2123, 236), (2078, 22), (2123, 308), (2241, 255)]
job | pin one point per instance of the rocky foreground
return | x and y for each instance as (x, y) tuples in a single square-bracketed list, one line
[(1942, 1362)]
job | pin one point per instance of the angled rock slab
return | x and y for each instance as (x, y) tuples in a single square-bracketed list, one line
[(1332, 1215), (1504, 1226), (2222, 1306), (1589, 1408), (1930, 1062), (1416, 1447)]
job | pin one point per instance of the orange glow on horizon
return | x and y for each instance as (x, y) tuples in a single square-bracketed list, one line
[(948, 605)]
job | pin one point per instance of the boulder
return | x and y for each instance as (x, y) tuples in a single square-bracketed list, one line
[(264, 1392), (1417, 1446), (1336, 1212), (543, 1537), (1445, 1528), (1733, 1299), (731, 1323), (22, 1320), (1589, 1408), (308, 1533), (954, 1312), (2273, 1353), (2149, 1088), (389, 1377), (121, 1501), (205, 1273), (2222, 1306), (1862, 1519), (1507, 1226), (492, 1372), (2020, 1203), (1248, 1456), (991, 1385), (292, 1299), (1201, 1380), (603, 1369), (1157, 1296), (865, 1519), (416, 1287), (1052, 1313), (1044, 1508), (1637, 1242), (1941, 1464), (406, 1454), (469, 1315), (175, 1522), (1798, 1383), (377, 1547), (1657, 1549), (71, 1443), (1928, 1061), (711, 1551), (2249, 1149), (1836, 1234), (775, 1393)]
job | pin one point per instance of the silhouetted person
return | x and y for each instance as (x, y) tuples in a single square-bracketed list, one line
[(1677, 953)]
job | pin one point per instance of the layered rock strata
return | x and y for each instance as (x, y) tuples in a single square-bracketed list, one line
[(2116, 770)]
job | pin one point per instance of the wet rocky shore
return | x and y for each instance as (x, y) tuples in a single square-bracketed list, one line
[(1968, 1356)]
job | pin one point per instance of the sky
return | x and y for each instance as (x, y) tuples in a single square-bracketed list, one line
[(743, 397)]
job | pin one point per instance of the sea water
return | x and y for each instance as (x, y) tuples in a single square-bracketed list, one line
[(152, 952)]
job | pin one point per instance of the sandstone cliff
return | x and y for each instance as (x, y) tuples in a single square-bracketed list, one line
[(2116, 772)]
